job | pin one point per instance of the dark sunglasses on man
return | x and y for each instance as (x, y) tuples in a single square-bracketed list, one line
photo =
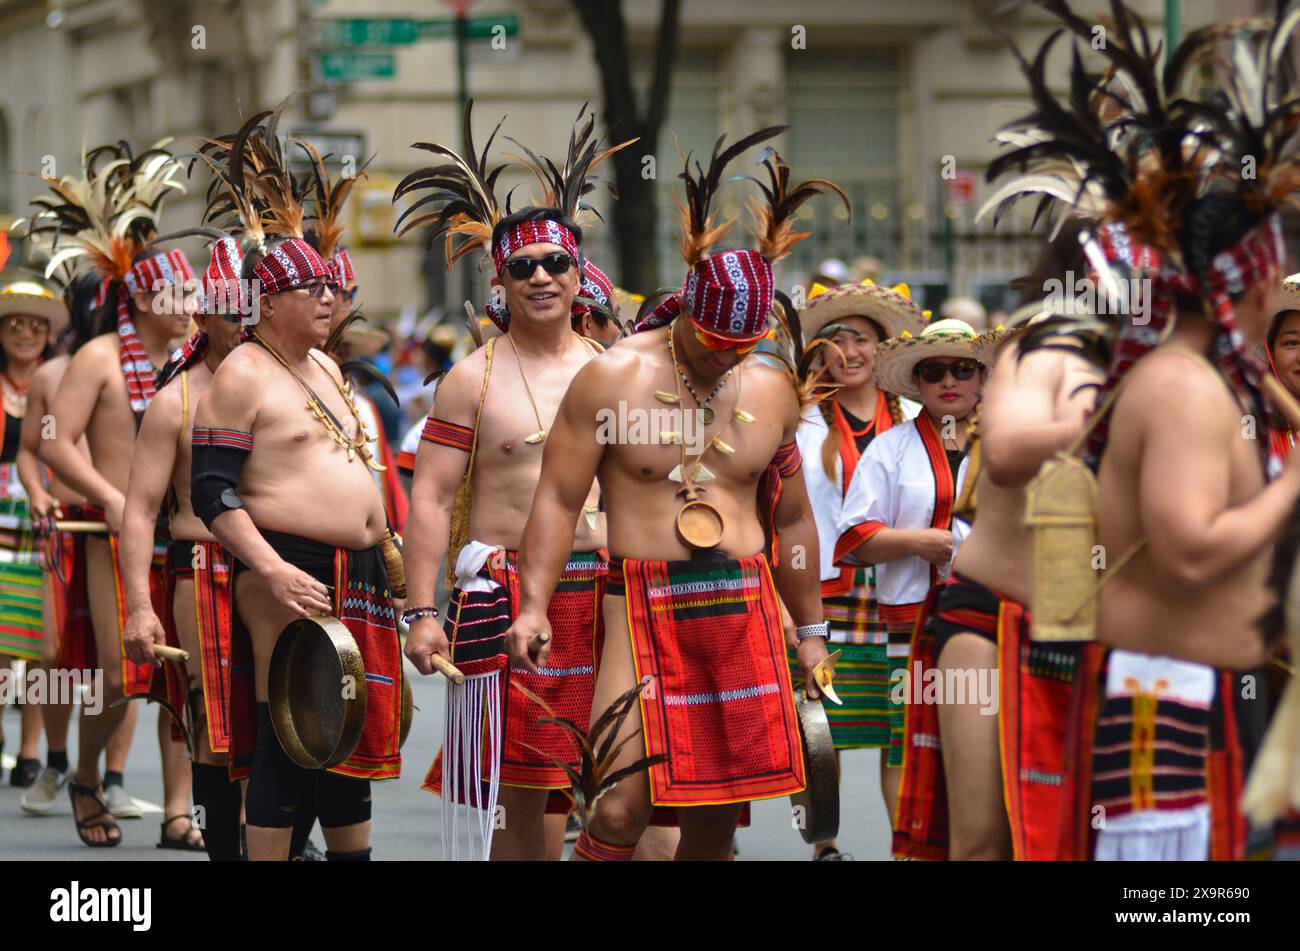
[(556, 263), (316, 289), (933, 372)]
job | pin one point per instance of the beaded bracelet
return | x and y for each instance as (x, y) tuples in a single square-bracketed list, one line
[(414, 614), (820, 629)]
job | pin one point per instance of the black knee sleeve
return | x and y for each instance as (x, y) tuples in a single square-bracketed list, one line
[(361, 856), (342, 800), (218, 797), (304, 816), (274, 781)]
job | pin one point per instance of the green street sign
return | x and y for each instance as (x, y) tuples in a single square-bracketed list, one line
[(476, 28), (373, 32), (349, 67)]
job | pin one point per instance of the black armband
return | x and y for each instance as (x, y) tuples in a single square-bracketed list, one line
[(218, 456)]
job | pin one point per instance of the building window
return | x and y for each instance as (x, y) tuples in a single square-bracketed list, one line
[(844, 109)]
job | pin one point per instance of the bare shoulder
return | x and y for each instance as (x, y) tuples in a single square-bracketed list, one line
[(328, 364), (1169, 385), (244, 369), (96, 354), (456, 397), (773, 385), (46, 378)]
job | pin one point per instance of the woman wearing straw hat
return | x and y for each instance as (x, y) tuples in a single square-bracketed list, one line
[(898, 509), (857, 318), (1282, 346), (31, 315)]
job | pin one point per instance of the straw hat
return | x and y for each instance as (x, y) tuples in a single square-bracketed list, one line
[(1290, 293), (892, 308), (30, 297), (897, 358)]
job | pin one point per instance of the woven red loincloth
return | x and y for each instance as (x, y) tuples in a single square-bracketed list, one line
[(477, 623), (921, 820), (707, 633), (1224, 767), (1035, 681), (64, 559), (212, 594), (363, 603)]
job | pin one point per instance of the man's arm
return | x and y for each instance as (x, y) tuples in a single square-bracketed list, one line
[(569, 467), (151, 471), (1195, 534), (29, 447), (231, 402), (1018, 425), (73, 404), (440, 463), (799, 587)]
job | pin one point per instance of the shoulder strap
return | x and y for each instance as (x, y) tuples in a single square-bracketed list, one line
[(482, 395), (185, 408)]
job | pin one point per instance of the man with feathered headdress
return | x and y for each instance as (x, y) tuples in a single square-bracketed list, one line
[(109, 218), (285, 487), (475, 472), (160, 480), (1187, 509), (691, 607)]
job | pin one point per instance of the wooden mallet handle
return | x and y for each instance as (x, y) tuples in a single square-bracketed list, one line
[(1281, 398), (538, 640), (171, 653), (65, 525), (444, 666)]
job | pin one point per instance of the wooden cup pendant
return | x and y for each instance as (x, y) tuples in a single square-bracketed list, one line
[(699, 524)]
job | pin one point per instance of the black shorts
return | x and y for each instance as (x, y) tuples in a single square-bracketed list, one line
[(963, 606), (315, 558)]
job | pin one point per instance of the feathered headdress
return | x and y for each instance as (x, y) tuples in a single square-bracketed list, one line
[(1141, 151), (109, 215), (730, 293), (462, 196), (254, 195), (567, 187)]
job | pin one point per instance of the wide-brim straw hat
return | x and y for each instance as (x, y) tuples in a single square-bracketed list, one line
[(30, 297), (891, 307), (1290, 293), (897, 357)]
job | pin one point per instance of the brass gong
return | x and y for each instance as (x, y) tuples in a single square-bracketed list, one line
[(820, 799), (317, 692), (408, 710)]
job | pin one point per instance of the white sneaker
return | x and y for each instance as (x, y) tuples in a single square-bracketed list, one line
[(44, 793), (120, 804)]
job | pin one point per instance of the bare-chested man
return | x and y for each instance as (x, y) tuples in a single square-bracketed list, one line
[(508, 392), (103, 395), (1033, 406), (693, 609), (160, 474), (287, 490), (68, 634)]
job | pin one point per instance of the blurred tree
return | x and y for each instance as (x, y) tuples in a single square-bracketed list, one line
[(635, 213)]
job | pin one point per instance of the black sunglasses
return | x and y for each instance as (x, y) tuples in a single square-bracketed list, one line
[(521, 269), (316, 290), (935, 372)]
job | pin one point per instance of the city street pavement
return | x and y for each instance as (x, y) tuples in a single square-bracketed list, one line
[(407, 819)]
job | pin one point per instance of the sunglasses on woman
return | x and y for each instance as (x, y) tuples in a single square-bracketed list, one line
[(16, 323), (961, 370), (521, 269), (715, 342)]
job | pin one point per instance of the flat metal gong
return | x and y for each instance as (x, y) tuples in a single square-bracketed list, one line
[(317, 692), (820, 799)]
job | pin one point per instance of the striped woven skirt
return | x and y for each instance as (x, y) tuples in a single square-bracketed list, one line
[(862, 673), (22, 583)]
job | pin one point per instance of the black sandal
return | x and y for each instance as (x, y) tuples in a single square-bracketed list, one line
[(102, 819), (184, 843)]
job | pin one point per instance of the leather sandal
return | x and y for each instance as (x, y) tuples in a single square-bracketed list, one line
[(184, 843), (103, 818)]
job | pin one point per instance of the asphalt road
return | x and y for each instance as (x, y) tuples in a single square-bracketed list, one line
[(407, 819)]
